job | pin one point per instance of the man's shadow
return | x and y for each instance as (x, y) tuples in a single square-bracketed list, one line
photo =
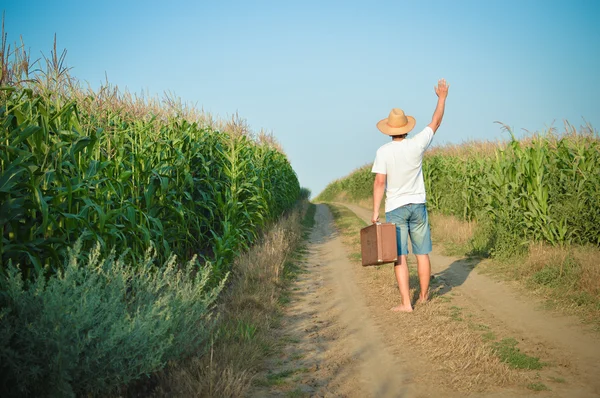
[(443, 282)]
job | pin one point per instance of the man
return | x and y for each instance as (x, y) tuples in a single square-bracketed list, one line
[(398, 171)]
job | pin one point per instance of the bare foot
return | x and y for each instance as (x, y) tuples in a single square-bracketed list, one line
[(422, 301), (402, 308)]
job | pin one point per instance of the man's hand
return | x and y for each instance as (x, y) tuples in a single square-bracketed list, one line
[(441, 90), (375, 218)]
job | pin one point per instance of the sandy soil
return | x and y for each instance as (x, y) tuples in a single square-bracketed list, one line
[(342, 340)]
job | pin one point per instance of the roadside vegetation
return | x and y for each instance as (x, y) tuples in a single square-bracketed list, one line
[(248, 314), (123, 219), (532, 205)]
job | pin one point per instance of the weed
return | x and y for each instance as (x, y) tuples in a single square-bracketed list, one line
[(260, 382), (508, 352), (302, 370), (546, 276), (297, 393), (443, 299), (488, 336), (355, 256), (239, 330), (455, 313), (291, 270), (279, 377), (557, 379), (478, 326), (538, 387), (584, 299), (309, 218), (284, 299)]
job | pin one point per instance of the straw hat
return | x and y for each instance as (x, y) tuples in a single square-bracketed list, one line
[(397, 123)]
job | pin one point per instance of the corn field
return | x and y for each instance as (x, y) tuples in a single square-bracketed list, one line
[(543, 188), (104, 198), (546, 188), (129, 183)]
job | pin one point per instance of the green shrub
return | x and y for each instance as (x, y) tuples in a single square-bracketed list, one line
[(356, 186), (483, 240), (549, 276), (564, 273), (99, 323)]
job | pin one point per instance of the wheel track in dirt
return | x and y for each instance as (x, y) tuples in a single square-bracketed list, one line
[(381, 374), (333, 334)]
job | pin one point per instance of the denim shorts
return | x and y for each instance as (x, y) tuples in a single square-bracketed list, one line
[(411, 220)]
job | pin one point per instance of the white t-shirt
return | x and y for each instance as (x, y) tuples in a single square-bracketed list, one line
[(402, 162)]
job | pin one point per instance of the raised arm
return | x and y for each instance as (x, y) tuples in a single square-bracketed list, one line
[(441, 90)]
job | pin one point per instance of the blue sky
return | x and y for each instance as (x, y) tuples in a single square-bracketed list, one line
[(320, 74)]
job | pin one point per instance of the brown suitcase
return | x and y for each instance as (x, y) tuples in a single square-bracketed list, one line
[(378, 244)]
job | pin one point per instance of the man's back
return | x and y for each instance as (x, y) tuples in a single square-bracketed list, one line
[(401, 161)]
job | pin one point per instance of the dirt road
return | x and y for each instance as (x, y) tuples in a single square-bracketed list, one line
[(342, 340)]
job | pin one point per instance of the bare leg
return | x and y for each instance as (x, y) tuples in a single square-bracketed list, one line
[(424, 271), (401, 271)]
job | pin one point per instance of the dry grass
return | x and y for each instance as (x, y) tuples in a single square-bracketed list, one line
[(248, 311), (452, 346), (458, 349), (571, 270), (453, 233), (468, 149), (589, 260), (541, 256)]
